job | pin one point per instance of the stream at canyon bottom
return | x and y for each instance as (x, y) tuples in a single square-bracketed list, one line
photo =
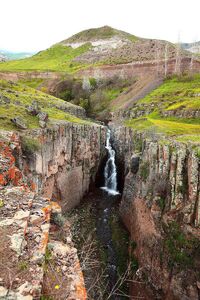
[(101, 238)]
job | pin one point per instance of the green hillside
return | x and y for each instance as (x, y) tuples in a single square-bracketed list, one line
[(171, 109), (15, 98), (56, 58), (104, 32), (121, 47)]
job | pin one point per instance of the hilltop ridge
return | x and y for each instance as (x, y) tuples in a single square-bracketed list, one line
[(95, 47), (93, 34)]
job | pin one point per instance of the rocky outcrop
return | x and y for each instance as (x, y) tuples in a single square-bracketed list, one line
[(15, 76), (67, 161), (62, 168), (142, 68), (160, 206)]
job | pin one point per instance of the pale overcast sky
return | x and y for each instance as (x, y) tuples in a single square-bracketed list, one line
[(33, 25)]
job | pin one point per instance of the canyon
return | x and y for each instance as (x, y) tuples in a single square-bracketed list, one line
[(76, 178)]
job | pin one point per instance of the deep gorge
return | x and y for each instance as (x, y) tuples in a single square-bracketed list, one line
[(146, 168), (130, 236), (100, 166)]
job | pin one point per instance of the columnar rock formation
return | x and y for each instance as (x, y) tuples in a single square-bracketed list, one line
[(161, 191), (62, 169), (67, 161)]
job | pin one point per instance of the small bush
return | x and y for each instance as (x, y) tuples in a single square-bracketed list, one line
[(144, 170), (179, 247), (93, 82), (29, 145), (85, 103), (23, 265)]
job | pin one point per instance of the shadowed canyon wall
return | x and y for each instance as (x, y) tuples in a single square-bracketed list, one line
[(161, 208), (67, 161)]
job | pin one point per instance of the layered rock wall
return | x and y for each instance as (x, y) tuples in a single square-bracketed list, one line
[(161, 191), (142, 68), (67, 161), (26, 242)]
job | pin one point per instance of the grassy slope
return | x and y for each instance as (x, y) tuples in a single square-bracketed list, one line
[(104, 32), (56, 58), (21, 96), (174, 94), (60, 57)]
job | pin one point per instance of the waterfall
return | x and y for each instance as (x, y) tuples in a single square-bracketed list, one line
[(110, 171)]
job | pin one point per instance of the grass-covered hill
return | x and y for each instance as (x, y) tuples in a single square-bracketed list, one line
[(16, 98), (104, 45), (173, 110), (102, 33), (56, 58)]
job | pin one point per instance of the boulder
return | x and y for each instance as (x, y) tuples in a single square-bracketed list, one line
[(43, 116), (42, 124), (19, 123), (33, 109)]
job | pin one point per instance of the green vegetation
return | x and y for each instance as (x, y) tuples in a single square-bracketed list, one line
[(15, 98), (144, 170), (133, 260), (30, 145), (96, 97), (168, 127), (181, 250), (120, 240), (33, 83), (177, 96), (48, 255), (104, 32), (176, 90), (61, 57), (161, 203), (56, 58), (23, 265)]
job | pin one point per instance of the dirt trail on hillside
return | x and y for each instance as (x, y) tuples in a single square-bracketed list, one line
[(137, 91)]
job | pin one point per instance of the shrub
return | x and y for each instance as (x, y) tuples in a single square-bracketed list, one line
[(144, 170), (85, 103), (93, 82), (179, 248), (23, 265), (29, 145)]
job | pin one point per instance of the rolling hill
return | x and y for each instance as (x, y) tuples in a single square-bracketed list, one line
[(94, 47)]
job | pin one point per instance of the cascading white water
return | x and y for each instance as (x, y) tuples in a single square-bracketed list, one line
[(110, 171)]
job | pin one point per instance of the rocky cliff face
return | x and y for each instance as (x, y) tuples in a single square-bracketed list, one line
[(31, 225), (67, 161), (142, 68), (160, 206), (26, 237)]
